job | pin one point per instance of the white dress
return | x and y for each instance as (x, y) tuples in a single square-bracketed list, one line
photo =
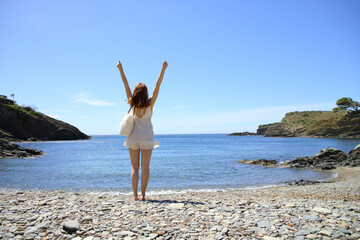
[(142, 135)]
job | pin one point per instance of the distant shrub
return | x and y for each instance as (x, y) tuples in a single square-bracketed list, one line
[(31, 108)]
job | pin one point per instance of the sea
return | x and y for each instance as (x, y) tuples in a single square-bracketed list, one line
[(191, 162)]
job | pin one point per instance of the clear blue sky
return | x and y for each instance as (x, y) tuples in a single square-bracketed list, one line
[(232, 64)]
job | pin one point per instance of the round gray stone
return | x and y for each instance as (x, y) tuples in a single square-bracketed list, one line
[(71, 226)]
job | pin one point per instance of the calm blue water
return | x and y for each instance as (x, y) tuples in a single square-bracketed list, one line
[(182, 162)]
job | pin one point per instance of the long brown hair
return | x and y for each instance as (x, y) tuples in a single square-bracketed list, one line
[(140, 97)]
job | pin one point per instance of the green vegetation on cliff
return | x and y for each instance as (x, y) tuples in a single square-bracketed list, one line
[(307, 119), (25, 112)]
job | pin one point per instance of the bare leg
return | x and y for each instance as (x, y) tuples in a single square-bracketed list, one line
[(135, 160), (145, 169)]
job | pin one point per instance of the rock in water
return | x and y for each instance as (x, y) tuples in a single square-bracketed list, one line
[(242, 134), (329, 158), (262, 162), (300, 162), (71, 226), (8, 150), (326, 159), (353, 159)]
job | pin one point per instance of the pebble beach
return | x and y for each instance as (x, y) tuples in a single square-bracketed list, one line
[(322, 211)]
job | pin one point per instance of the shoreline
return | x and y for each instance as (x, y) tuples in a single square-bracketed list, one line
[(339, 174), (321, 211), (176, 191)]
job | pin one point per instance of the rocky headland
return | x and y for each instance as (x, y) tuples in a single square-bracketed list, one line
[(23, 123), (324, 124)]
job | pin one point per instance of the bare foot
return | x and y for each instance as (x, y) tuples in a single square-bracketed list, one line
[(136, 198), (142, 198)]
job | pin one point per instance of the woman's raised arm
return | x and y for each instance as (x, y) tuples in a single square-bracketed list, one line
[(157, 86), (126, 84)]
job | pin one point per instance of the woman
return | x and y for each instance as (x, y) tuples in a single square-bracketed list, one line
[(141, 140)]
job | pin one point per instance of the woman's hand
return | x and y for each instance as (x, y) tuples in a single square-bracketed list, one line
[(165, 64), (157, 86), (119, 66), (123, 77)]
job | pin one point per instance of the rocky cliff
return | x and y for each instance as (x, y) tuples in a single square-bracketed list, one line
[(24, 123), (315, 124)]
